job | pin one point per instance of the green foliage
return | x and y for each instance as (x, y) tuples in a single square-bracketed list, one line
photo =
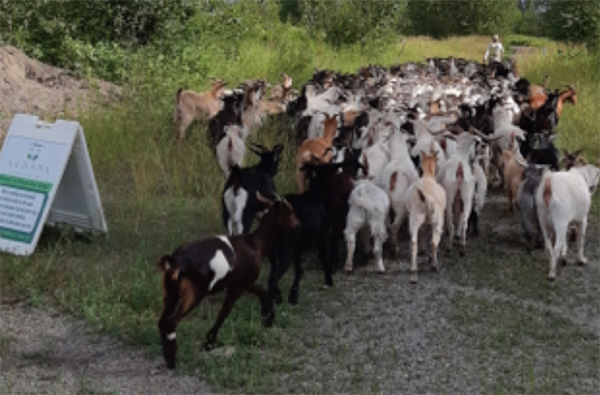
[(574, 21), (443, 18), (530, 21), (345, 22)]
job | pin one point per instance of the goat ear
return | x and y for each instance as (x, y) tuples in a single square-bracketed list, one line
[(264, 200)]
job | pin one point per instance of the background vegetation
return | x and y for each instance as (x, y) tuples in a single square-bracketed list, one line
[(157, 192)]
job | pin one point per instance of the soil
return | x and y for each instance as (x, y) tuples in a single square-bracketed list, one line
[(31, 87), (49, 352)]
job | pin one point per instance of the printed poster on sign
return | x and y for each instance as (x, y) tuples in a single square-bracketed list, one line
[(46, 178), (24, 193)]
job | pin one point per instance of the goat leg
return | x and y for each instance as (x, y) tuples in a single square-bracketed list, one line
[(293, 296), (267, 309), (274, 292), (230, 299), (581, 228), (350, 237), (326, 262)]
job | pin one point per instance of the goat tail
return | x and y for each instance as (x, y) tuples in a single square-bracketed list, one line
[(547, 194), (178, 95), (166, 263), (460, 174), (169, 269), (429, 206)]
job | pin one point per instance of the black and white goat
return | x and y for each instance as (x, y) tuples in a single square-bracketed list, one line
[(240, 205)]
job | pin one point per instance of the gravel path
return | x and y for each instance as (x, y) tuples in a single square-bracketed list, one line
[(42, 351)]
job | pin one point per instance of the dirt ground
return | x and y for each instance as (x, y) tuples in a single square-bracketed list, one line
[(31, 87), (44, 351)]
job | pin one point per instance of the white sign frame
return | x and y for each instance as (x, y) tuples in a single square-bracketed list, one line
[(46, 177)]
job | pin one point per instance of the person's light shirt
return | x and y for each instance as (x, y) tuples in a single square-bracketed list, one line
[(494, 52)]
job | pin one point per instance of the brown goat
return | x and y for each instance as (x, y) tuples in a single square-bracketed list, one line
[(319, 148), (537, 98), (191, 106), (209, 266)]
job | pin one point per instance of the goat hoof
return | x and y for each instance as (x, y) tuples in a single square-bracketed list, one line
[(582, 261), (562, 261), (462, 252), (551, 277), (434, 268), (329, 282), (413, 278), (209, 345), (268, 319), (171, 365), (277, 297), (293, 298)]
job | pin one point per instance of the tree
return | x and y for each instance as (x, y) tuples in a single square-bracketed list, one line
[(573, 21), (442, 18), (345, 22)]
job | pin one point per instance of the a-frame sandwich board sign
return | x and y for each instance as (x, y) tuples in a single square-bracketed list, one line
[(46, 177)]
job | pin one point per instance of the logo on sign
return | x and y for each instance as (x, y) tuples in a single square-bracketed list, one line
[(31, 165)]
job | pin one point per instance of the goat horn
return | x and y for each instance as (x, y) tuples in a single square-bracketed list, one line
[(571, 87)]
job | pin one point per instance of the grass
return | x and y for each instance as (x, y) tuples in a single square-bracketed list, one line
[(158, 193)]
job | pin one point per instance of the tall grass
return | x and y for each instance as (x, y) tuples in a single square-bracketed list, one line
[(159, 192)]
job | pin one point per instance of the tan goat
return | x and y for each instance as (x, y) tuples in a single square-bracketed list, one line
[(319, 148), (191, 106), (278, 98), (426, 204), (513, 172)]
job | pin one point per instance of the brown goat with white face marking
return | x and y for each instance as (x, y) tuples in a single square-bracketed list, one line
[(210, 266), (191, 106)]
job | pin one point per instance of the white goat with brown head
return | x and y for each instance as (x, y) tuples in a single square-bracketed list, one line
[(426, 203)]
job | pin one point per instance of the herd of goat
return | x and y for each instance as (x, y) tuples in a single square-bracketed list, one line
[(413, 141)]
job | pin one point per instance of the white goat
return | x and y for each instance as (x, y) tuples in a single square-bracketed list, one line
[(426, 202), (562, 199), (457, 179), (231, 148), (396, 177), (369, 205)]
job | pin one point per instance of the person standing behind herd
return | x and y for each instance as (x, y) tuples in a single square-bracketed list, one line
[(494, 50)]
